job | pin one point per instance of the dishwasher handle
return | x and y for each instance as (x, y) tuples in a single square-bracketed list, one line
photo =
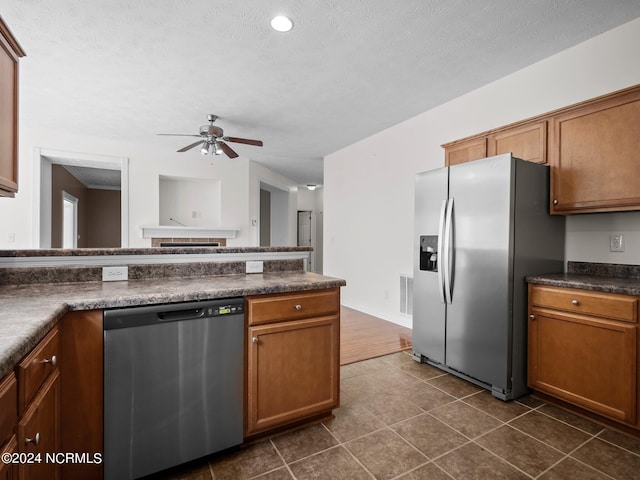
[(177, 315)]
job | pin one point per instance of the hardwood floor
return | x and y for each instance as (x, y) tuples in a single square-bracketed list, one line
[(364, 336)]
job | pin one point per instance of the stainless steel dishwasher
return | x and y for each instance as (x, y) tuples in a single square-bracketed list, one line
[(173, 384)]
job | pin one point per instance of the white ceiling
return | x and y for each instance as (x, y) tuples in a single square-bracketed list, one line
[(129, 69)]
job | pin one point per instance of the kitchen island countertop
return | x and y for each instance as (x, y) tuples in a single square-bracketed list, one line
[(28, 312)]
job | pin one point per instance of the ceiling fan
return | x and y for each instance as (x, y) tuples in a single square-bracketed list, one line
[(212, 140)]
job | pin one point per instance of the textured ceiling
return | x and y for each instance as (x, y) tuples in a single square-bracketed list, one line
[(128, 69)]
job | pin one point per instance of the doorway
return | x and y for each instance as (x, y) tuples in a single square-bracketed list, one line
[(69, 221), (277, 216), (304, 228), (44, 160)]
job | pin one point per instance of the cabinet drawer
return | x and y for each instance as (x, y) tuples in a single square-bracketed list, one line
[(609, 305), (288, 306), (34, 369), (8, 407)]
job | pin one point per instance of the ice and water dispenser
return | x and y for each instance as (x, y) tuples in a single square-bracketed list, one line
[(429, 253)]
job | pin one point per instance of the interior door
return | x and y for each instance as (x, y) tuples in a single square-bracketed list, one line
[(478, 318), (304, 228)]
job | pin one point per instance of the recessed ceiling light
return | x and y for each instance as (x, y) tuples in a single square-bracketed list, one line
[(281, 23)]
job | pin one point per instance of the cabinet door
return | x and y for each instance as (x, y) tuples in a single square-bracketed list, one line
[(527, 142), (596, 157), (465, 151), (39, 430), (9, 471), (585, 361), (293, 371), (10, 52)]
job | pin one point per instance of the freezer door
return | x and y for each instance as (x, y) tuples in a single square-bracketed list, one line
[(428, 308), (479, 316)]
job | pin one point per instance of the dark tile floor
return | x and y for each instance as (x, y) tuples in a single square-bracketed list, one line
[(403, 420)]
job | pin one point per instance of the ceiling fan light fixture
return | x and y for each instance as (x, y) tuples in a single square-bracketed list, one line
[(205, 148), (216, 149), (281, 23)]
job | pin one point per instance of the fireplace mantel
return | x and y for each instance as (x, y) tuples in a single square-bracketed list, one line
[(170, 231)]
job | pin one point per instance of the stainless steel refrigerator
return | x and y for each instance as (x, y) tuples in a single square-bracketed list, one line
[(480, 228)]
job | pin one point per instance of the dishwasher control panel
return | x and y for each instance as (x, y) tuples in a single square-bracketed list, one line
[(171, 312), (231, 309)]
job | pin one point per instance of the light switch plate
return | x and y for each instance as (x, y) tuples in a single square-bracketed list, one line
[(113, 274)]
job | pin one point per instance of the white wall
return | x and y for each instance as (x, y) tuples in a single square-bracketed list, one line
[(190, 201), (147, 163), (369, 186)]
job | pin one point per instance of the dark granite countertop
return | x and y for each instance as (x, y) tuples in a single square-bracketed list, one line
[(28, 312), (625, 286), (86, 252), (600, 277)]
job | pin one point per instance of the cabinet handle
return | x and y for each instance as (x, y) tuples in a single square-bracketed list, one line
[(575, 302), (53, 360), (532, 317), (35, 440), (298, 307), (254, 339), (555, 202)]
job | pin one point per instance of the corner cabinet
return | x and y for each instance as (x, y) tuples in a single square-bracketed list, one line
[(10, 53), (293, 358), (583, 349)]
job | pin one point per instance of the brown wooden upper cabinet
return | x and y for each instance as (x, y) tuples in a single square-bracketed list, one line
[(466, 151), (527, 142), (593, 148), (596, 156), (10, 53)]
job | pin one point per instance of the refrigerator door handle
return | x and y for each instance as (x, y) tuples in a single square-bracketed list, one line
[(441, 250), (448, 251)]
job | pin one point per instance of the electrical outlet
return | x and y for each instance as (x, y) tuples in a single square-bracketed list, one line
[(254, 267), (616, 242), (113, 274)]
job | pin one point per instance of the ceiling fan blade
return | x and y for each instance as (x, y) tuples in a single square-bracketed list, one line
[(256, 143), (178, 135), (227, 150), (189, 147)]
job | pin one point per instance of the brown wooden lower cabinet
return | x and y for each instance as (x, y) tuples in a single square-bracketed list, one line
[(9, 470), (39, 432), (583, 356), (292, 375), (81, 338), (293, 365)]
